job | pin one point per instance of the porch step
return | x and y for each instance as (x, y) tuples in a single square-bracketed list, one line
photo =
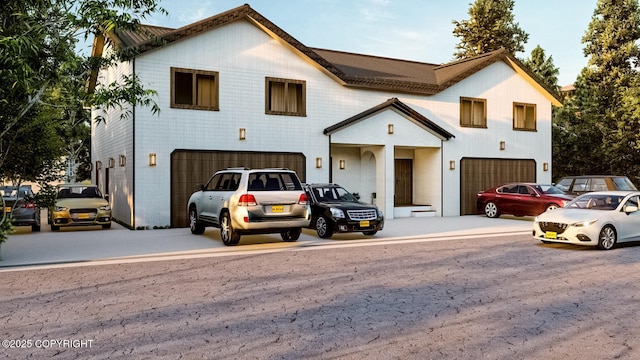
[(413, 211), (423, 213)]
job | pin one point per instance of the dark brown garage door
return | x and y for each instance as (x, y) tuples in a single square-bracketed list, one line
[(482, 174), (191, 168)]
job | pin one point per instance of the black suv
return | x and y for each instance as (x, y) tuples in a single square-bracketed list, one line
[(334, 209)]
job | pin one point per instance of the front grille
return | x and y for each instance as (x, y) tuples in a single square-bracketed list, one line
[(362, 214), (80, 215), (558, 228)]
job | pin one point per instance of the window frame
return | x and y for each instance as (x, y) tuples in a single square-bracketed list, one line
[(194, 89), (267, 98), (483, 125), (535, 116)]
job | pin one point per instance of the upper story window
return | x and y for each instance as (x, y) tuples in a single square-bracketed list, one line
[(285, 97), (194, 89), (473, 112), (524, 116)]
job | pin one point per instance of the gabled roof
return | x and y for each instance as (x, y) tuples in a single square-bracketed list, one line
[(350, 69), (398, 106)]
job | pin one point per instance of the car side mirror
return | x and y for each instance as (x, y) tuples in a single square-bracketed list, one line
[(630, 209), (106, 197)]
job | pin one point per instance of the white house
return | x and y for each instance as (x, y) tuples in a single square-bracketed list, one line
[(236, 90)]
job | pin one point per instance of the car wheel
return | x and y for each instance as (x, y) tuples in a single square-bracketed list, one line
[(229, 236), (372, 232), (54, 228), (291, 234), (195, 225), (35, 227), (491, 210), (551, 207), (323, 228), (106, 226), (607, 238)]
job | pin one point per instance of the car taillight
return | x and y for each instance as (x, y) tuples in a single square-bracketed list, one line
[(28, 205), (247, 200), (303, 199)]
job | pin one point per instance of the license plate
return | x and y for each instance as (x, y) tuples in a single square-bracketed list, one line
[(7, 209), (551, 235), (277, 208), (83, 216), (364, 223)]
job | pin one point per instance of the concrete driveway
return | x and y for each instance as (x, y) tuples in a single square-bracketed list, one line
[(79, 244)]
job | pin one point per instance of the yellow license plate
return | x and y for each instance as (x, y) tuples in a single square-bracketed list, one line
[(364, 223), (551, 235), (7, 209), (83, 216), (277, 208)]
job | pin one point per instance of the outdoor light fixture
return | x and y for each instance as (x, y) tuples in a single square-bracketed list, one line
[(98, 165), (318, 162), (502, 145), (112, 163), (342, 164), (452, 165), (243, 134), (123, 160), (152, 159), (545, 167), (390, 128)]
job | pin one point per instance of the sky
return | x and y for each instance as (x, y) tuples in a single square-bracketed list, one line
[(416, 30)]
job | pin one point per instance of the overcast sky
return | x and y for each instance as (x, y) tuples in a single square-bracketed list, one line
[(418, 30)]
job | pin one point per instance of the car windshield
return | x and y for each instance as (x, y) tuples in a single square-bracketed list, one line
[(596, 202), (333, 193), (548, 189), (623, 183), (71, 192), (11, 192)]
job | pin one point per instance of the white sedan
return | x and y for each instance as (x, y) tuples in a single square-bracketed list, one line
[(599, 219)]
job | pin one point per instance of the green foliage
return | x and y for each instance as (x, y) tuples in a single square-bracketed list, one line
[(6, 228), (545, 69), (598, 132), (490, 27)]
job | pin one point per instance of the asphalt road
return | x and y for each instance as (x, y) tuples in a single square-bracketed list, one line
[(496, 297)]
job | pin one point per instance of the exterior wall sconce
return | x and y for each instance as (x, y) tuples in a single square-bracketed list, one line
[(122, 161), (152, 159), (452, 165), (318, 162), (545, 167), (98, 165), (502, 145), (342, 164), (112, 163), (243, 134), (390, 128)]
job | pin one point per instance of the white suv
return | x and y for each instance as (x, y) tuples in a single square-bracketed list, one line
[(250, 201)]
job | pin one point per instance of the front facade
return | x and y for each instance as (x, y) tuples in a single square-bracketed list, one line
[(236, 90)]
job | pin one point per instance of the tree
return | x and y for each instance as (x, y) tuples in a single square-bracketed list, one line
[(545, 69), (490, 27)]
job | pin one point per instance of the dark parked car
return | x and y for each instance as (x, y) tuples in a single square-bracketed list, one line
[(334, 209), (21, 206), (521, 199), (578, 185)]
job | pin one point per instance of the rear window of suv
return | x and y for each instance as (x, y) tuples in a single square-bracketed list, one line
[(273, 181), (623, 183)]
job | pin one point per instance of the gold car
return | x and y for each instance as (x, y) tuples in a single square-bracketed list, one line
[(79, 205)]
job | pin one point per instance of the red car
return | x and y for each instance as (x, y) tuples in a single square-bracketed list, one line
[(521, 199)]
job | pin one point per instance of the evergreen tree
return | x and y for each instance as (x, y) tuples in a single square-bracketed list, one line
[(545, 69), (490, 27)]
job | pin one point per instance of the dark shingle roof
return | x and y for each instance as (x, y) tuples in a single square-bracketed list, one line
[(353, 70)]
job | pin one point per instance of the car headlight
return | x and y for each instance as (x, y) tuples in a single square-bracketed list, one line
[(60, 208), (337, 213), (380, 214), (105, 207), (584, 223)]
